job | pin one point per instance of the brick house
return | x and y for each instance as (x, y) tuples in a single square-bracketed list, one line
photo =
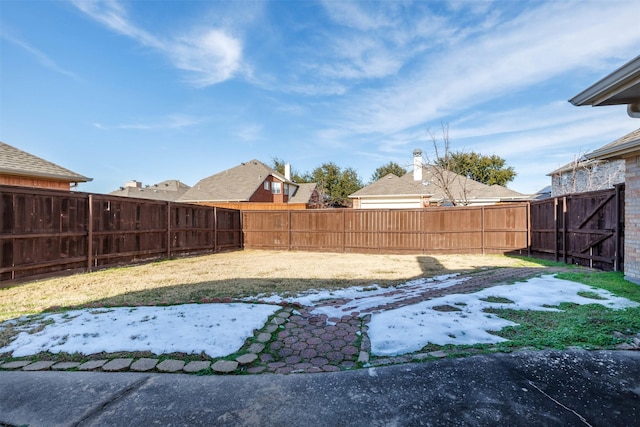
[(622, 87), (251, 186), (22, 169)]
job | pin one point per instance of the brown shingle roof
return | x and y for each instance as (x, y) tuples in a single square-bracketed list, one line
[(14, 161), (233, 185)]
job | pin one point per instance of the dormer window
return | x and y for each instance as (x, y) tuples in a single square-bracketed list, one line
[(276, 188), (266, 185)]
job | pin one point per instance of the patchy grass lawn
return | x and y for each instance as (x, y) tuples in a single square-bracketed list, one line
[(235, 275), (589, 326)]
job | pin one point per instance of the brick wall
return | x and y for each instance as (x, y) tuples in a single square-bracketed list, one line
[(632, 220)]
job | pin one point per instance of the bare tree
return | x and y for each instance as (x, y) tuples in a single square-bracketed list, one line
[(440, 167), (582, 175)]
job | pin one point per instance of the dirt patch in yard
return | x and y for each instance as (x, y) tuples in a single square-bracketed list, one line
[(235, 275)]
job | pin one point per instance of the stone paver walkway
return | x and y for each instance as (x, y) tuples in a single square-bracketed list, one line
[(296, 339)]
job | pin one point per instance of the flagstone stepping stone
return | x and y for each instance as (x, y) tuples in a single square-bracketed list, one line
[(196, 366), (39, 366), (144, 364), (245, 359), (256, 348), (117, 364), (65, 365), (15, 365), (264, 337), (170, 365), (225, 366), (438, 354), (91, 365)]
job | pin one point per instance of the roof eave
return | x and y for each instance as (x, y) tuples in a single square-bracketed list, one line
[(619, 151), (368, 196), (602, 91), (64, 178)]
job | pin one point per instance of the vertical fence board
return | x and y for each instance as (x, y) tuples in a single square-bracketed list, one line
[(47, 232), (584, 228)]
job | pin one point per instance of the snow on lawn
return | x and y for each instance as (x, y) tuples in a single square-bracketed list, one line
[(221, 329), (217, 330), (410, 328)]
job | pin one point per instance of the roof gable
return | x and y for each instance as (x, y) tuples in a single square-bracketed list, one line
[(236, 184), (14, 161)]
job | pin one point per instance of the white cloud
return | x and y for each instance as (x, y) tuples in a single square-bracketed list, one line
[(170, 122), (250, 132), (209, 55), (538, 45), (40, 56)]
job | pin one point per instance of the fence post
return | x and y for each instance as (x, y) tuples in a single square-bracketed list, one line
[(90, 234), (564, 229), (168, 229), (289, 229), (616, 231), (344, 230), (215, 229), (529, 232), (482, 225)]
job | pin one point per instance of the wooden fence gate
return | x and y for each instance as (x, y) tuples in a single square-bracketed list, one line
[(585, 229)]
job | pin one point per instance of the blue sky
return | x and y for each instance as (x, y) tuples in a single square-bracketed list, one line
[(154, 90)]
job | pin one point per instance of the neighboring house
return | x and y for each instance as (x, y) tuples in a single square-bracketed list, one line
[(583, 175), (252, 185), (22, 169), (543, 193), (622, 87), (424, 186), (169, 190)]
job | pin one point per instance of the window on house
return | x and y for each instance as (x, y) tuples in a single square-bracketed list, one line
[(286, 189), (276, 188), (266, 185)]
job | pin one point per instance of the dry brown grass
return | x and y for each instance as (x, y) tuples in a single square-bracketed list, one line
[(235, 275)]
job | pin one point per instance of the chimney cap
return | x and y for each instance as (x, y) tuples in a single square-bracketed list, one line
[(417, 152)]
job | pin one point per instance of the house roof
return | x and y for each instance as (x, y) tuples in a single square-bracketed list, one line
[(169, 190), (232, 185), (461, 187), (304, 193), (14, 161), (628, 144), (620, 87)]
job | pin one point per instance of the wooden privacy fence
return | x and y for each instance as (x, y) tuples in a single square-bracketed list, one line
[(486, 229), (45, 231), (584, 228)]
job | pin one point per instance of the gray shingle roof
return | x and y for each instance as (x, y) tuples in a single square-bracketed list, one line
[(461, 187), (169, 190), (14, 161), (628, 143), (304, 193), (233, 185)]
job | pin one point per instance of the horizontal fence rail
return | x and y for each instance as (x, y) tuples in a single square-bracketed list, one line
[(48, 232), (43, 232), (486, 229)]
